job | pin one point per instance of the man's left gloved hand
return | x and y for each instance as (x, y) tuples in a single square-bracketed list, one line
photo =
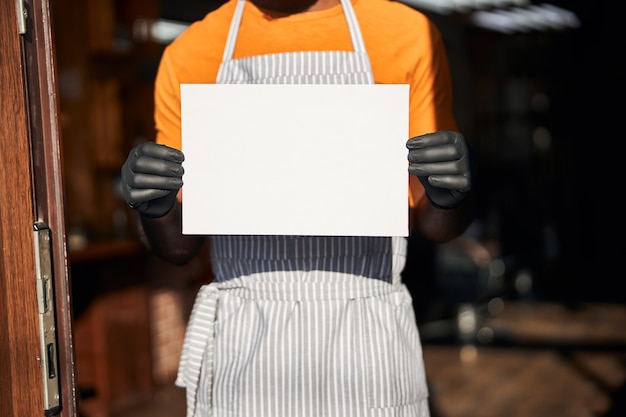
[(441, 161)]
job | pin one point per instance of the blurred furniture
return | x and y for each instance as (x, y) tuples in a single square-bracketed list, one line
[(469, 281), (112, 330)]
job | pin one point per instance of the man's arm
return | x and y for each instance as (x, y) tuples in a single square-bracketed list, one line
[(152, 177), (164, 237), (442, 225)]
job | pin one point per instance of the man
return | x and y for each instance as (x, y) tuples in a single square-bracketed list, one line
[(306, 325)]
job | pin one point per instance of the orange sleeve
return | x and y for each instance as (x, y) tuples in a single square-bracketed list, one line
[(431, 102), (167, 105), (431, 99)]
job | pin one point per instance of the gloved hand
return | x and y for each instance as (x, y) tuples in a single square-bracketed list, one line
[(151, 178), (441, 161)]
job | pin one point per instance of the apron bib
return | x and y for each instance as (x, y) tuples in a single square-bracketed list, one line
[(303, 326)]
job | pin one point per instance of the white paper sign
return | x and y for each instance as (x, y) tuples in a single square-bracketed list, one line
[(325, 160)]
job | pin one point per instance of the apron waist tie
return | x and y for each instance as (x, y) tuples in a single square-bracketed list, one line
[(199, 344)]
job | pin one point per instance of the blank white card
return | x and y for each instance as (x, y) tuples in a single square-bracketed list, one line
[(325, 160)]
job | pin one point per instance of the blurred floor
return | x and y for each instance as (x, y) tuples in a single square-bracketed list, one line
[(543, 360)]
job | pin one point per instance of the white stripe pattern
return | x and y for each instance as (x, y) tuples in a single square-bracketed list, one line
[(279, 69)]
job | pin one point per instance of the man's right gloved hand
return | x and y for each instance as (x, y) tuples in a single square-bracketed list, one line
[(151, 178)]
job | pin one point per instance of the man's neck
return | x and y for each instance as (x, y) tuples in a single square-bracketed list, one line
[(281, 8)]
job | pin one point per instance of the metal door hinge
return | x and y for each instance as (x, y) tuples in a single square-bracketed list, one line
[(22, 14), (47, 320)]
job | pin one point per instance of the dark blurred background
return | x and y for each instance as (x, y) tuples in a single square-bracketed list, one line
[(535, 102)]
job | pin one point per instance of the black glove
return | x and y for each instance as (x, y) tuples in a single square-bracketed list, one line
[(151, 177), (441, 161)]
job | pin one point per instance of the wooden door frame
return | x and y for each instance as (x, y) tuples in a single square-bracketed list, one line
[(31, 179)]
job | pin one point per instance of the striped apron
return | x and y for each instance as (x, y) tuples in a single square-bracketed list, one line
[(303, 326)]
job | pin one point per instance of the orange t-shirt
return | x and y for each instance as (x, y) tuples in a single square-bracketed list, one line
[(404, 47)]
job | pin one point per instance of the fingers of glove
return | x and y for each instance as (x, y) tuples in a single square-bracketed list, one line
[(153, 166), (151, 175), (460, 169), (158, 207), (451, 182), (136, 197), (156, 166), (151, 158), (141, 181), (439, 168), (439, 153), (438, 138), (157, 151), (437, 147), (442, 197)]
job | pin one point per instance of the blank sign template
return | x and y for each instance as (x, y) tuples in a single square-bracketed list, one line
[(321, 160)]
